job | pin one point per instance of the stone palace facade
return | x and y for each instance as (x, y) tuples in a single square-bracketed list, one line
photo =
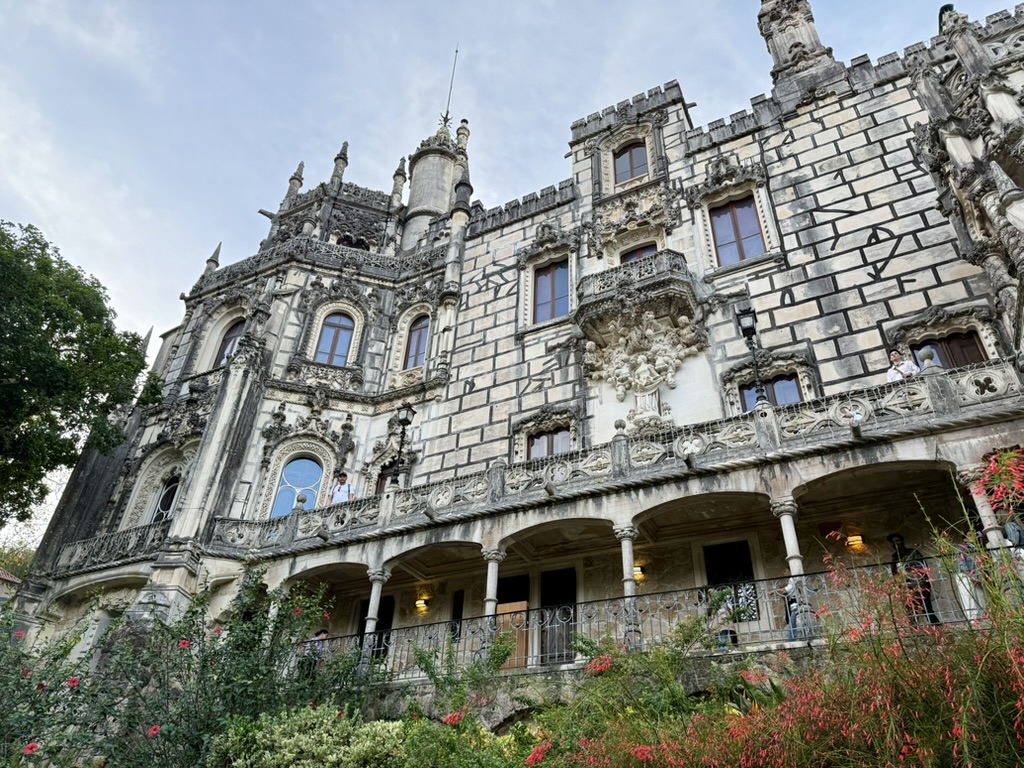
[(665, 375)]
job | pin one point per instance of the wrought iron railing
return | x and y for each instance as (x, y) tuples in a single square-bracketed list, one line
[(741, 617)]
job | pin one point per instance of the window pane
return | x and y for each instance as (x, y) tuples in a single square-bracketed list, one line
[(335, 340), (728, 254), (416, 348), (323, 349), (753, 246), (561, 442), (639, 158), (749, 397), (561, 289), (787, 390), (746, 217), (721, 223), (299, 476), (622, 168), (229, 344)]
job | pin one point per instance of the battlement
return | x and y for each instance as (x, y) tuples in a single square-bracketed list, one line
[(626, 111), (482, 220)]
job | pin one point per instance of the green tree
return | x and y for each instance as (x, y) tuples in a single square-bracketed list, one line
[(64, 368)]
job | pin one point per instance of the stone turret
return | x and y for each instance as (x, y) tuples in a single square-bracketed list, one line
[(801, 64), (340, 164), (432, 175), (294, 185)]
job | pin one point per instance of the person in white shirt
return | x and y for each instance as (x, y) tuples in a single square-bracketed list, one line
[(901, 369), (342, 490)]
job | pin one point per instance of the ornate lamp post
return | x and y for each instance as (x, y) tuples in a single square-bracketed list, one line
[(405, 416), (747, 320)]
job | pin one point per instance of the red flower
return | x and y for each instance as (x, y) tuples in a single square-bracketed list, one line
[(341, 715), (218, 630), (25, 671), (18, 635), (298, 611), (600, 665), (41, 686), (154, 731), (327, 616), (73, 682), (31, 749), (185, 644), (643, 754), (538, 753), (454, 718)]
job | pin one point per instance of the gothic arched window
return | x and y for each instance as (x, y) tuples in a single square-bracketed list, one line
[(416, 344), (229, 343), (165, 501), (335, 340), (299, 476)]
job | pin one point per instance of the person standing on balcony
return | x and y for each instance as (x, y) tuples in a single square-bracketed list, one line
[(968, 581), (901, 369), (342, 490), (313, 654), (910, 563)]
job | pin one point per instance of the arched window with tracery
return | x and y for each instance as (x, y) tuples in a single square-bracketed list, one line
[(303, 476), (416, 344), (335, 340), (164, 507), (229, 343)]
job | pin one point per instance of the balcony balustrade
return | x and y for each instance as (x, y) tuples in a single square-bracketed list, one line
[(745, 617)]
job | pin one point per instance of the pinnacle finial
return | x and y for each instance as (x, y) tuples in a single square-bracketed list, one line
[(298, 171), (213, 262)]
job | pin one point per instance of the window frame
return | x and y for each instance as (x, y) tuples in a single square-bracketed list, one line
[(769, 385), (338, 331), (943, 349), (739, 240), (159, 515), (551, 439), (634, 170), (637, 253), (312, 491), (229, 342), (417, 340), (551, 268)]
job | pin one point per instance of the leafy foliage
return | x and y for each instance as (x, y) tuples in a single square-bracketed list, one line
[(64, 368)]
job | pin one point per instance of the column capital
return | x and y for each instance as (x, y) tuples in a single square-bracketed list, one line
[(494, 555), (624, 532), (378, 575), (784, 505)]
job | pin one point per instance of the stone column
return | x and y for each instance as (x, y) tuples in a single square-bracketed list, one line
[(990, 527), (493, 558), (626, 534), (784, 508), (378, 577)]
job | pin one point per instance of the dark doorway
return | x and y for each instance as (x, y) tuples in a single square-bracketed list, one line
[(730, 568), (381, 638), (558, 613)]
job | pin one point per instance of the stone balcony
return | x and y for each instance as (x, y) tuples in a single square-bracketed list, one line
[(944, 400), (661, 283)]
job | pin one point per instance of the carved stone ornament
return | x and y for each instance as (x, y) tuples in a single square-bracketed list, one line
[(278, 430), (645, 207), (327, 377), (942, 321), (161, 466), (385, 452), (640, 358), (366, 298), (549, 238), (723, 173)]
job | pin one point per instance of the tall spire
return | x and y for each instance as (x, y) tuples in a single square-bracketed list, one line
[(800, 62), (213, 262)]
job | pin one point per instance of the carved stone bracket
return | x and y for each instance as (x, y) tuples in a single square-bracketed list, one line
[(644, 208)]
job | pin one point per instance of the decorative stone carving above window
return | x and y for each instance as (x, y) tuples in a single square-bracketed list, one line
[(723, 174), (547, 418), (942, 321), (313, 424), (646, 211), (770, 365), (385, 453), (549, 241)]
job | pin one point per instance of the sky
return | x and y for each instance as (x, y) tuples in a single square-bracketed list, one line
[(139, 134)]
